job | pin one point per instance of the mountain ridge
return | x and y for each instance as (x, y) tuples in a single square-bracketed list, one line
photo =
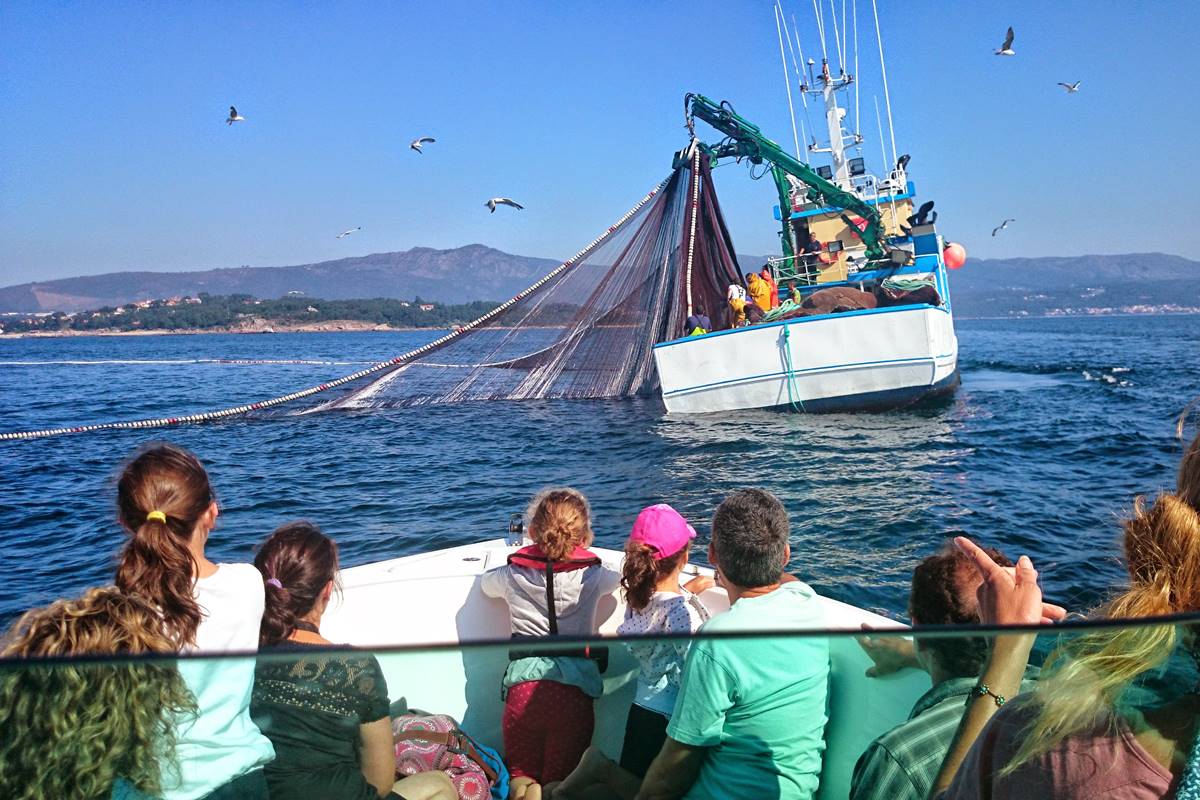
[(984, 287)]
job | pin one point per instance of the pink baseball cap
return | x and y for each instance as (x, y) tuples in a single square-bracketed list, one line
[(661, 528)]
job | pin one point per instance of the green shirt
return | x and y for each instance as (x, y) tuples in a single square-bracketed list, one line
[(903, 763), (311, 703), (758, 704)]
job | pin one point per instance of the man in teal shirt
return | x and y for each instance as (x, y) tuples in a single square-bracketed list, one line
[(750, 717)]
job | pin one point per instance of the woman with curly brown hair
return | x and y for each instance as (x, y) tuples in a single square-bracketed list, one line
[(553, 587), (95, 730), (167, 506)]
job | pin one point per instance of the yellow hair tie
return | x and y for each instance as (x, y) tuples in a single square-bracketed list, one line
[(157, 516)]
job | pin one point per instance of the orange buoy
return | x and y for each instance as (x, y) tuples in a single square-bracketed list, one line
[(955, 255)]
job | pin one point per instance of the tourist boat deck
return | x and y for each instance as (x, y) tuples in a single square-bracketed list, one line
[(444, 646)]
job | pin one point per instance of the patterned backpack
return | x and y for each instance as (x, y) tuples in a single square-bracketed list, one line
[(426, 742)]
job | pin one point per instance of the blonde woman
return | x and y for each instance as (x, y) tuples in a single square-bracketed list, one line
[(88, 731), (1078, 735)]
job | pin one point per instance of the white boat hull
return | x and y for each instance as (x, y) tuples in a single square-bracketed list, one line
[(861, 360), (434, 599)]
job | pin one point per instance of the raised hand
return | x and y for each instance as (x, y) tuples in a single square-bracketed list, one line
[(1009, 596)]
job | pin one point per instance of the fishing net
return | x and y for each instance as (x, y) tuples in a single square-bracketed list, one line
[(586, 330)]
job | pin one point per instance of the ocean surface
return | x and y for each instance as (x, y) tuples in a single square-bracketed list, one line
[(1059, 423)]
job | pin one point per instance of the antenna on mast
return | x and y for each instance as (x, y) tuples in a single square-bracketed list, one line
[(887, 98), (820, 29), (837, 39), (857, 83), (787, 82), (796, 68)]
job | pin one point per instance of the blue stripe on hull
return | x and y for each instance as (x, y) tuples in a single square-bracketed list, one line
[(886, 400)]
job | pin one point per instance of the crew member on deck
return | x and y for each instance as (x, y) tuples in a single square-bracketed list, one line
[(698, 323), (736, 295), (769, 279), (760, 293), (793, 293)]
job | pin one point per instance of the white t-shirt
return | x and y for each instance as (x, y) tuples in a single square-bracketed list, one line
[(735, 292), (221, 742), (661, 663)]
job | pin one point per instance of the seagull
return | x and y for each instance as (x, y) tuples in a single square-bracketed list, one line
[(1071, 88), (1006, 48), (1001, 226), (344, 234), (502, 201), (234, 116), (417, 143)]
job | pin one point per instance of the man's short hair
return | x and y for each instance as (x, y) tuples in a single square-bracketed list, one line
[(943, 593), (750, 538)]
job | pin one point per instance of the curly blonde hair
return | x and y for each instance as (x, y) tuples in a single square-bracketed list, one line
[(72, 728)]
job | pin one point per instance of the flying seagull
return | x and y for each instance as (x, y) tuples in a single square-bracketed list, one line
[(234, 116), (1006, 48), (1071, 88), (502, 201), (1001, 226), (417, 143), (344, 234)]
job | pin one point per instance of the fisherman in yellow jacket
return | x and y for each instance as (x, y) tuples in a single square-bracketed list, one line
[(759, 291)]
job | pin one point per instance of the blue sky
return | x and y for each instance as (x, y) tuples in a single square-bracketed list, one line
[(115, 154)]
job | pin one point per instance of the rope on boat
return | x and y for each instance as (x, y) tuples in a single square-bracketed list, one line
[(695, 210), (208, 416)]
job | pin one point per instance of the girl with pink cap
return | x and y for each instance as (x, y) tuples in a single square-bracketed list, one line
[(655, 555)]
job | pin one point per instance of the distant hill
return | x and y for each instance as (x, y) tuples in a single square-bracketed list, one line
[(1075, 284), (991, 287), (464, 274)]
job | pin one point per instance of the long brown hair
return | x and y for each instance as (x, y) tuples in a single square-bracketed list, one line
[(156, 562), (71, 729), (297, 562), (559, 521), (1082, 681), (641, 572)]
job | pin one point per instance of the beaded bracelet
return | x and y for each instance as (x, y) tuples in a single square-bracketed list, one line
[(982, 690)]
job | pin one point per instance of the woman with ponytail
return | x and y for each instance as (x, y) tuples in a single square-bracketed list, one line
[(655, 555), (552, 588), (1081, 733), (167, 506), (327, 713)]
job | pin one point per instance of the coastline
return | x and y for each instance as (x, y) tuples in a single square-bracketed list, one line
[(359, 326), (259, 327)]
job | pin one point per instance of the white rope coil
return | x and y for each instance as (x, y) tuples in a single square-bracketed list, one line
[(208, 416)]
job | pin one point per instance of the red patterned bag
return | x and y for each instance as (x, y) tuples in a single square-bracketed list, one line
[(426, 742)]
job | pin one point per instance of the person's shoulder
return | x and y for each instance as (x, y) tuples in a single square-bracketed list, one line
[(234, 577), (606, 579)]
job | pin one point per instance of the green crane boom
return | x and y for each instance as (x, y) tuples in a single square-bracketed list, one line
[(746, 140)]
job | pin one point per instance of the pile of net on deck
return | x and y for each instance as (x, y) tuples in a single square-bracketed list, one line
[(586, 330)]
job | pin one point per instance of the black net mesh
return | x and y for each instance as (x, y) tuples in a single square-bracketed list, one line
[(587, 329)]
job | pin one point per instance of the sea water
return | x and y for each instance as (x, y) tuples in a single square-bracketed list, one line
[(1059, 423)]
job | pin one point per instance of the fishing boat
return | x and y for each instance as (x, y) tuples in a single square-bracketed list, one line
[(443, 645), (873, 326)]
